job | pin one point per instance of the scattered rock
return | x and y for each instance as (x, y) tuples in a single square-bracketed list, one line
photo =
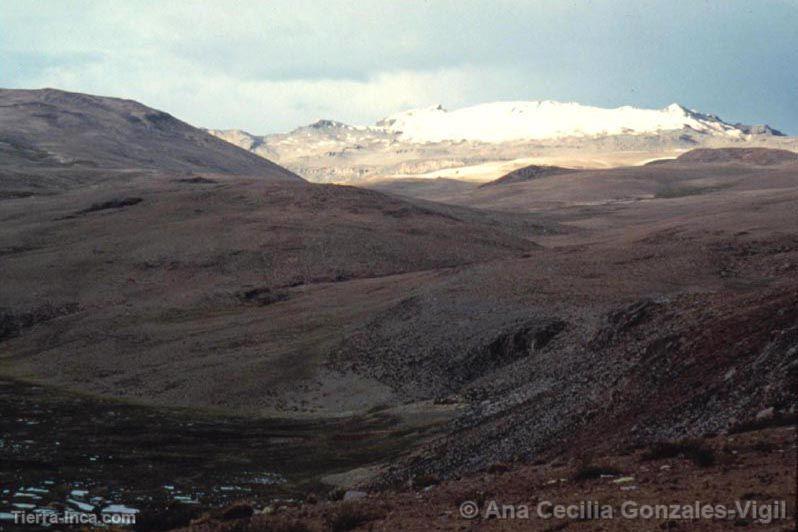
[(767, 413), (353, 495)]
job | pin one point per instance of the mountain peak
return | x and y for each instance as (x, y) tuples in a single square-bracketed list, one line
[(676, 107), (325, 123)]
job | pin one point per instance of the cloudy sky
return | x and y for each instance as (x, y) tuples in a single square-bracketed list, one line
[(268, 66)]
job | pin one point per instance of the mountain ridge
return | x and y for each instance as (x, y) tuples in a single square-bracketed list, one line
[(484, 142), (549, 119), (678, 116)]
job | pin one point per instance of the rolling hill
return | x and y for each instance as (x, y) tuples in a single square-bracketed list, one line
[(573, 312)]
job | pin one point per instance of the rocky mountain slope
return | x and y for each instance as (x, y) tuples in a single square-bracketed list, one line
[(484, 142)]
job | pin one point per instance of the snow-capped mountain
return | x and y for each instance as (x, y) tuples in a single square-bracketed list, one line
[(485, 141), (539, 120)]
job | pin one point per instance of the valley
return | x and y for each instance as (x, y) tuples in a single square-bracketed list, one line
[(409, 333)]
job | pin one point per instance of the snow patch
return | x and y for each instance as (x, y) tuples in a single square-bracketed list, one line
[(534, 120)]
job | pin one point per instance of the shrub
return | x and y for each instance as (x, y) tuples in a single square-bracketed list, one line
[(422, 481), (336, 494), (349, 516), (589, 471), (695, 450)]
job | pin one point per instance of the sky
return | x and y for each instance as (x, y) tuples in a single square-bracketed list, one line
[(270, 66)]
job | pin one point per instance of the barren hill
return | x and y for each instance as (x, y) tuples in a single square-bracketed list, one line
[(83, 135)]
